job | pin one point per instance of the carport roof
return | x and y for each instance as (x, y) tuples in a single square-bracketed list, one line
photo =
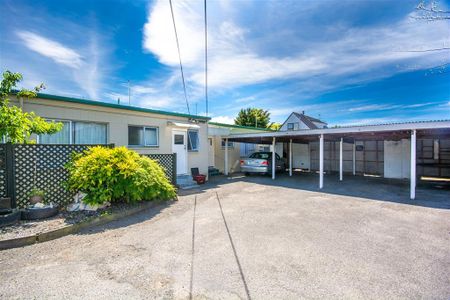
[(391, 131)]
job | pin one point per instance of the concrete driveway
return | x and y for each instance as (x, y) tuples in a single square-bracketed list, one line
[(252, 238)]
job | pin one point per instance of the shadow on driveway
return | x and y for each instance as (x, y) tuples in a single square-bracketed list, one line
[(372, 188)]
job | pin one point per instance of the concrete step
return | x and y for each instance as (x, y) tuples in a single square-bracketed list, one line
[(185, 182)]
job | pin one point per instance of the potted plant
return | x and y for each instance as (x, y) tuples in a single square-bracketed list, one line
[(36, 196)]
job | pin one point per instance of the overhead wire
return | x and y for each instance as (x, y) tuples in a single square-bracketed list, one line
[(179, 57), (206, 58)]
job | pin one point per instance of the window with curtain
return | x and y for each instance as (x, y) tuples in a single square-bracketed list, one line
[(192, 140), (89, 133), (61, 137), (142, 136)]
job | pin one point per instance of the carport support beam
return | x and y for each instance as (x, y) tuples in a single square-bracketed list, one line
[(354, 158), (341, 144), (273, 158), (290, 157), (413, 165), (226, 157), (321, 161)]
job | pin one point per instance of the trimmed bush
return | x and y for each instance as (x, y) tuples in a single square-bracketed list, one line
[(117, 174)]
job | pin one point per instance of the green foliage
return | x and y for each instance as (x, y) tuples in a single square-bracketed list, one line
[(117, 174), (274, 126), (36, 192), (253, 117), (15, 124)]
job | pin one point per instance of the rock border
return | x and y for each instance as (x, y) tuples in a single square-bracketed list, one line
[(74, 228)]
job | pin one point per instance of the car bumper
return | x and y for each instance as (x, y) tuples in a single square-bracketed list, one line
[(254, 169)]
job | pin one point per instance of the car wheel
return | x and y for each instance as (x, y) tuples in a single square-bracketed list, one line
[(247, 174)]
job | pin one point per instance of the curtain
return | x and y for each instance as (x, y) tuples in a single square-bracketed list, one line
[(89, 133), (61, 137), (151, 137)]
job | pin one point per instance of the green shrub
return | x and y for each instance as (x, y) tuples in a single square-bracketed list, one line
[(117, 174)]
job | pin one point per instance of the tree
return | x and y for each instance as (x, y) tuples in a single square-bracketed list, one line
[(16, 125), (253, 117), (274, 126)]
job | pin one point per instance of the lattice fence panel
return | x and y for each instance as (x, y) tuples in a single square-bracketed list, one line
[(42, 167), (168, 163), (2, 171)]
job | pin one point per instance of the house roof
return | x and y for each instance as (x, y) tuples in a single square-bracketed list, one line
[(119, 106), (309, 121)]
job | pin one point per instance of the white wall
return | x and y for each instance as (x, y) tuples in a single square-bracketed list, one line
[(293, 119), (118, 120), (301, 159), (397, 159)]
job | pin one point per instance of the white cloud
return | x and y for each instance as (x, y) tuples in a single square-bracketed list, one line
[(83, 65), (51, 49), (223, 119), (233, 63)]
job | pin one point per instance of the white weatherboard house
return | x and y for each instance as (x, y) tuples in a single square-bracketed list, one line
[(147, 131)]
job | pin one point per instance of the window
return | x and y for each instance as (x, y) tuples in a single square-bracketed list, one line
[(60, 137), (142, 136), (264, 155), (89, 133), (230, 144), (74, 132), (290, 126), (178, 139), (192, 140)]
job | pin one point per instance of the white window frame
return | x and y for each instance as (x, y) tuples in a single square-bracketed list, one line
[(189, 140), (72, 128), (145, 141), (293, 126)]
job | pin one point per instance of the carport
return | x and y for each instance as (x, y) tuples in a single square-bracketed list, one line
[(412, 131)]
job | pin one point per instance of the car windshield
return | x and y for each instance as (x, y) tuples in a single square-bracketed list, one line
[(261, 155)]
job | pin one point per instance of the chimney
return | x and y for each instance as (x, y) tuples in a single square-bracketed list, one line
[(303, 112)]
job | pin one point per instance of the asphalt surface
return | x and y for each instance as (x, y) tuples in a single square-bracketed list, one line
[(252, 238)]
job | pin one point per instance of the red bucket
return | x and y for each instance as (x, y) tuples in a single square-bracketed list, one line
[(201, 179)]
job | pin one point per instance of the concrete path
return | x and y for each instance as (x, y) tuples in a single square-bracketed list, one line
[(248, 238)]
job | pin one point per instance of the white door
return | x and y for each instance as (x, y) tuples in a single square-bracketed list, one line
[(211, 152), (179, 146), (300, 153)]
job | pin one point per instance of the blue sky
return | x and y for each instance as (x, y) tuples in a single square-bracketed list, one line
[(349, 62)]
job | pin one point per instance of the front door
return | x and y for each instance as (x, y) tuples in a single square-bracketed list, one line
[(179, 146)]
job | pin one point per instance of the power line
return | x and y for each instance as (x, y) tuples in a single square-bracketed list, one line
[(179, 57), (206, 59)]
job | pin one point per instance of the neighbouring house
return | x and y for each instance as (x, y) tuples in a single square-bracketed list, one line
[(216, 140), (145, 130), (300, 121)]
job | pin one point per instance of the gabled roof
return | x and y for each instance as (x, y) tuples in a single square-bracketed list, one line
[(307, 120)]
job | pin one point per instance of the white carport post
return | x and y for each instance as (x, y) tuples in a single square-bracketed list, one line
[(354, 158), (321, 161), (226, 156), (290, 157), (273, 158), (413, 165), (341, 144)]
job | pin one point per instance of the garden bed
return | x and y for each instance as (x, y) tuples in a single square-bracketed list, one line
[(63, 219)]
